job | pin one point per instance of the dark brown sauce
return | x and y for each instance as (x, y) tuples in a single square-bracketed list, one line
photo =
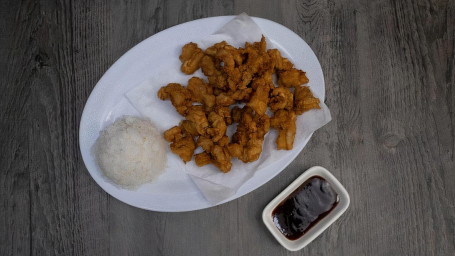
[(305, 207)]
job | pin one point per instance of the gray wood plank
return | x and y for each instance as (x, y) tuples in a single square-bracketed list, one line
[(16, 68), (389, 68)]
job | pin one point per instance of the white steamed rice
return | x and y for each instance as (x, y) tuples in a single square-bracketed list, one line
[(130, 152)]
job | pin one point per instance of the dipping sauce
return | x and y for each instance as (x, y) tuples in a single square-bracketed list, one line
[(304, 207)]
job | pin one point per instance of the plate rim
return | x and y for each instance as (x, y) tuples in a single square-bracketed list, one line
[(239, 193)]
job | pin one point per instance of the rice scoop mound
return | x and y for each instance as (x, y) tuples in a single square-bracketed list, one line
[(130, 152)]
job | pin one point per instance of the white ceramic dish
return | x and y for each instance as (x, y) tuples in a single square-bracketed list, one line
[(174, 191), (323, 224)]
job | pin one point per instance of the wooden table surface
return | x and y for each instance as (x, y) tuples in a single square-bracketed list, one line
[(389, 68)]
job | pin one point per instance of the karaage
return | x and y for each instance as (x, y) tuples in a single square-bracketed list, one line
[(304, 100), (235, 76)]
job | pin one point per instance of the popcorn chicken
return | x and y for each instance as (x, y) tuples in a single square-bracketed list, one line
[(304, 100), (235, 75), (292, 78), (191, 58)]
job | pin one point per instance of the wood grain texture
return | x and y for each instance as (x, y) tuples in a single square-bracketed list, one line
[(389, 68)]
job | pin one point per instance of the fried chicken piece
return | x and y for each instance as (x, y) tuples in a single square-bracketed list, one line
[(232, 69), (257, 65), (224, 100), (253, 150), (281, 98), (262, 125), (221, 66), (247, 140), (201, 92), (191, 57), (180, 97), (224, 112), (197, 116), (266, 79), (209, 67), (217, 127), (215, 153), (280, 118), (175, 133), (189, 127), (205, 142), (182, 143), (226, 53), (252, 64), (243, 95), (259, 46), (235, 76), (249, 152), (284, 122), (304, 100), (224, 141), (280, 62), (212, 50), (260, 99), (228, 56), (221, 158), (292, 77), (202, 159), (188, 50), (184, 148), (250, 135), (236, 150), (216, 77), (257, 49)]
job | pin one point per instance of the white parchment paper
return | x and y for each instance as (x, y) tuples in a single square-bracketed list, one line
[(215, 185)]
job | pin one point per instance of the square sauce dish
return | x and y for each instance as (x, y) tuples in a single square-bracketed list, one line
[(303, 210)]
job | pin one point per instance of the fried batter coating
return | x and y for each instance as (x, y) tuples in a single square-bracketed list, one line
[(191, 57), (217, 127), (281, 98), (224, 141), (184, 148), (208, 66), (182, 143), (202, 159), (214, 153), (221, 158), (235, 75), (225, 113), (284, 122), (189, 127), (180, 97), (243, 95), (260, 99), (304, 100), (197, 116), (175, 133), (227, 54), (236, 150), (280, 62), (292, 78), (205, 142), (247, 140), (201, 92), (212, 69), (187, 51), (224, 100)]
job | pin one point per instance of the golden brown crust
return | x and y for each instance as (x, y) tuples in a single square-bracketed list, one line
[(243, 75)]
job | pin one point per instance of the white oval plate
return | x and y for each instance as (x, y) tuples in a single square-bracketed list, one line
[(152, 56)]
